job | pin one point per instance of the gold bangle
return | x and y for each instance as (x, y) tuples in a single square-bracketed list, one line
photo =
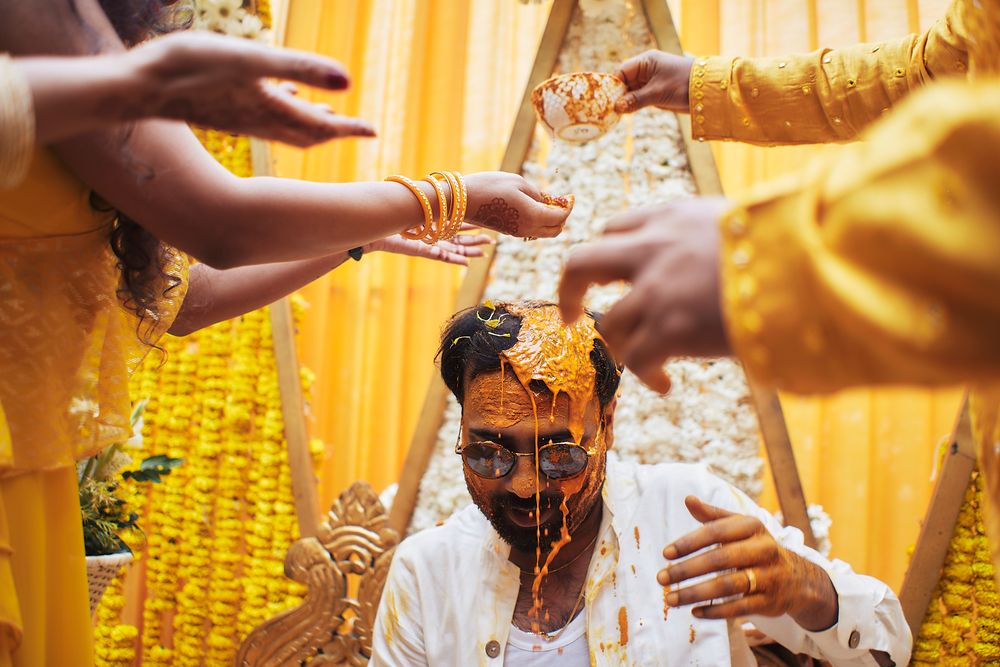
[(460, 201), (451, 224), (17, 124), (463, 196), (434, 234), (420, 230)]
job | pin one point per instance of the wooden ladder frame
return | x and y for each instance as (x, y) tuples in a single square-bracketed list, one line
[(938, 526), (293, 411), (772, 424)]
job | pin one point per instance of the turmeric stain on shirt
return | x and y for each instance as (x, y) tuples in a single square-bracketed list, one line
[(622, 626)]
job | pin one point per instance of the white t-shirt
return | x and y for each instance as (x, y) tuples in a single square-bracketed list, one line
[(526, 649)]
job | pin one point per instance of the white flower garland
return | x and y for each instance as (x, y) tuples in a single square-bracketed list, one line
[(228, 17), (708, 416)]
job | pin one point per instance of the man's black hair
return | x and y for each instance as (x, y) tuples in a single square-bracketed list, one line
[(469, 348)]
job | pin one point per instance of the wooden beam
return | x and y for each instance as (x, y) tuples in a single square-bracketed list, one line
[(474, 284), (938, 525), (279, 21), (781, 457), (777, 442), (290, 385)]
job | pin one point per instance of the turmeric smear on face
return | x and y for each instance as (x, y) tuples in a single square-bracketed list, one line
[(559, 356), (635, 531)]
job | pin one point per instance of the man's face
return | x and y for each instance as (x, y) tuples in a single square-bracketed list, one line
[(499, 409)]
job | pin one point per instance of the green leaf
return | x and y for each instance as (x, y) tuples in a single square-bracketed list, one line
[(153, 468), (161, 462)]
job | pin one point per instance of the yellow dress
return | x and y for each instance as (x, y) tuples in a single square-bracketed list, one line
[(66, 350), (881, 265)]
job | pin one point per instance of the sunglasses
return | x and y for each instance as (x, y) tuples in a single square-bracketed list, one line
[(491, 460)]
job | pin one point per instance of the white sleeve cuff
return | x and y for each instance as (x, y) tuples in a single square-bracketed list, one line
[(860, 628)]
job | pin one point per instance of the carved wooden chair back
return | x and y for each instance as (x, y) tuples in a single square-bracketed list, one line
[(343, 569)]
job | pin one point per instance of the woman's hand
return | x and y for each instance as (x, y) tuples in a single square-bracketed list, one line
[(222, 82), (508, 204), (655, 78), (750, 566), (457, 250)]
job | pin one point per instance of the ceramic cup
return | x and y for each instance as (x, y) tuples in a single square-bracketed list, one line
[(580, 106)]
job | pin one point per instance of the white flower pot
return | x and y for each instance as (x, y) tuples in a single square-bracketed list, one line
[(101, 571)]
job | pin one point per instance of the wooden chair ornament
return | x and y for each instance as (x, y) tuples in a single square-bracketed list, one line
[(352, 550)]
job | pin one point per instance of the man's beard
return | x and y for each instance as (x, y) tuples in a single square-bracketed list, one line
[(544, 535), (521, 537)]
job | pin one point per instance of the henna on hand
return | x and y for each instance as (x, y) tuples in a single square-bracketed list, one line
[(497, 215)]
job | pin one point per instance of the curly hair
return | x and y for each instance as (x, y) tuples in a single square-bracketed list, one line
[(143, 259)]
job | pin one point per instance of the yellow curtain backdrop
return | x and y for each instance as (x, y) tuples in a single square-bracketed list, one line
[(441, 79)]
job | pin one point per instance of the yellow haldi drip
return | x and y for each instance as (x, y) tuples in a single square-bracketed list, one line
[(558, 355)]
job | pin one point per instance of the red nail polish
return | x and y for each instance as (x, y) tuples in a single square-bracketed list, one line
[(337, 81)]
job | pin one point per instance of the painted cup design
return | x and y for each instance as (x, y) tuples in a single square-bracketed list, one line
[(580, 106)]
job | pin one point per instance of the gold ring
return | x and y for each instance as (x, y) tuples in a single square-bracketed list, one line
[(751, 581)]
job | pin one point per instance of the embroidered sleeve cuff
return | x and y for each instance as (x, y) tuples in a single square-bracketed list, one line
[(774, 316), (711, 108)]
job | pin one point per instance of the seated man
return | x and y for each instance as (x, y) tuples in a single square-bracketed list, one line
[(571, 557)]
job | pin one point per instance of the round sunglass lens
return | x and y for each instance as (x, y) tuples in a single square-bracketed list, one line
[(487, 460), (562, 460)]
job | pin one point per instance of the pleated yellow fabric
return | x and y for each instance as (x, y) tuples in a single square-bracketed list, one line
[(67, 347), (866, 456)]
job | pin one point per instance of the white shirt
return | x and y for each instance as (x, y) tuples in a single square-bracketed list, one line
[(568, 649), (450, 593)]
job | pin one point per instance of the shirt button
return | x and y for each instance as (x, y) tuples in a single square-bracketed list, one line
[(854, 639), (493, 647)]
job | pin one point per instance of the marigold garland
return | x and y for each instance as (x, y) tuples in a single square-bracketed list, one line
[(219, 526), (962, 625)]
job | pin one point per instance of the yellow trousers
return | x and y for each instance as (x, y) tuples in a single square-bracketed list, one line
[(44, 610)]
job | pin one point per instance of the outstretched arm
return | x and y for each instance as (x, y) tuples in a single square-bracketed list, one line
[(824, 96), (170, 185), (214, 295), (876, 266)]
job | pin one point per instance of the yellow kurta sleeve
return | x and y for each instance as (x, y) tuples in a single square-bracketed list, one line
[(888, 269), (17, 124), (824, 96)]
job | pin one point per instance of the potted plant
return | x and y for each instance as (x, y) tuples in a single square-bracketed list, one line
[(108, 489)]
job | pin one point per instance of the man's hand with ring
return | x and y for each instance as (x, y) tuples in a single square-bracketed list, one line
[(755, 575)]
